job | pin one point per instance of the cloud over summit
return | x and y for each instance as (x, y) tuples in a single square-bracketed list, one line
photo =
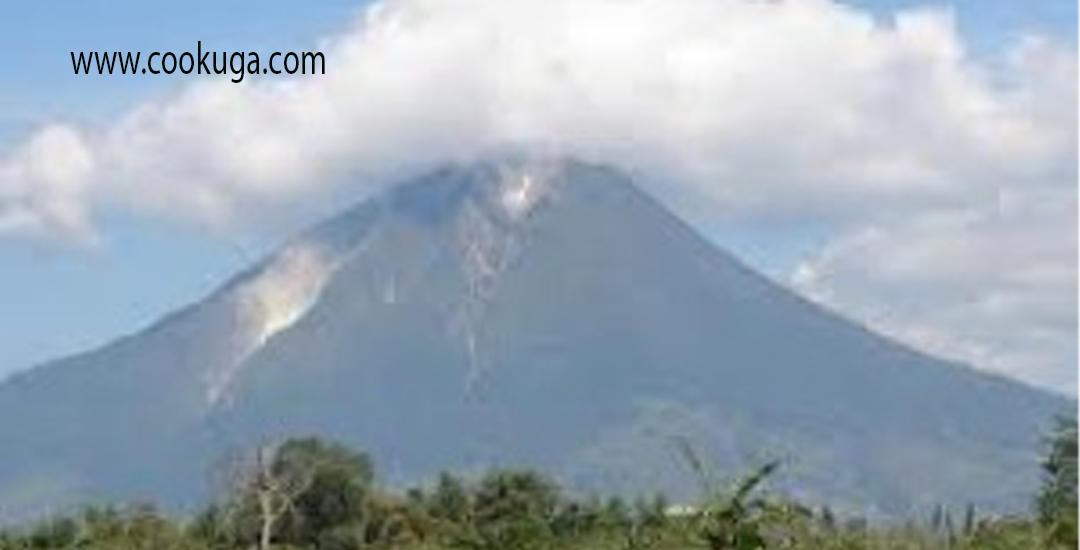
[(885, 130), (756, 105)]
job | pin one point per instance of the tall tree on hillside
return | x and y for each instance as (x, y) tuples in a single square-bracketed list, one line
[(1057, 501)]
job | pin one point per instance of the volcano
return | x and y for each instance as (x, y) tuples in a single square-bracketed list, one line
[(546, 314)]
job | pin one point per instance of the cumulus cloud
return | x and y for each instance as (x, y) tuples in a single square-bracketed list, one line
[(753, 105), (989, 277), (885, 130), (43, 186), (992, 286)]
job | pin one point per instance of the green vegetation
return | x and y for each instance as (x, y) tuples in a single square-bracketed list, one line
[(310, 494), (1057, 501)]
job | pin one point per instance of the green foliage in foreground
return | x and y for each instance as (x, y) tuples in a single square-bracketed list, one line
[(309, 494), (1057, 505)]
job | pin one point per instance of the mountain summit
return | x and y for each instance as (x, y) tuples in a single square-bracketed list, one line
[(546, 314)]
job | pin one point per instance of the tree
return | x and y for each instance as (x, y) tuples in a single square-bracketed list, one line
[(55, 533), (450, 500), (512, 510), (211, 526), (1057, 500), (336, 497), (301, 490), (269, 491)]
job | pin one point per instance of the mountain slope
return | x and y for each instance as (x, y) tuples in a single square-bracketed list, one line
[(540, 313)]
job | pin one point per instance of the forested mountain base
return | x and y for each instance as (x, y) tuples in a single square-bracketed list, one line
[(310, 494)]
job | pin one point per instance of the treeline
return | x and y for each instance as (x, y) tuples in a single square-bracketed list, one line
[(312, 494)]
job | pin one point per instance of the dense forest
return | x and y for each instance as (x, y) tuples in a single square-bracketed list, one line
[(312, 494)]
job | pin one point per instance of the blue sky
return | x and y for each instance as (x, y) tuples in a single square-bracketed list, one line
[(60, 298)]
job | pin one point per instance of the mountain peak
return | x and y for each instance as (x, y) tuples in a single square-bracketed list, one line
[(485, 203), (542, 313), (510, 185)]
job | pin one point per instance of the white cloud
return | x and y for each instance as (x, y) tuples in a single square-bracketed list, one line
[(992, 285), (755, 105), (43, 186), (796, 110)]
